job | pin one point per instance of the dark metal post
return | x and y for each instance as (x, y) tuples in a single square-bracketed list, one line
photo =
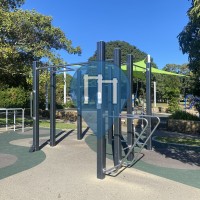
[(110, 107), (35, 107), (117, 121), (79, 107), (46, 97), (130, 134), (52, 107), (148, 100), (31, 104), (101, 139)]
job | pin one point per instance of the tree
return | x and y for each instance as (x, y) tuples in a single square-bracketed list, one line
[(126, 48), (11, 4), (26, 36), (189, 38)]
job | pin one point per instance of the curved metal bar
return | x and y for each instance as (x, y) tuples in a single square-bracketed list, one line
[(123, 162)]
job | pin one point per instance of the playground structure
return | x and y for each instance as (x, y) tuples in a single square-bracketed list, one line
[(14, 112), (192, 101), (111, 113)]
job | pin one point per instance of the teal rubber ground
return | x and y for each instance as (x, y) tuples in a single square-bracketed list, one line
[(25, 159)]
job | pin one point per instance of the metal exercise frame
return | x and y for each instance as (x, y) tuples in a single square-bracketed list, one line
[(114, 137), (114, 133), (53, 70), (14, 116)]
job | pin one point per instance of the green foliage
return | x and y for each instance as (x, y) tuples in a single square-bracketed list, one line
[(69, 104), (10, 4), (184, 116), (173, 105), (189, 38), (168, 87), (126, 48), (13, 98), (27, 36)]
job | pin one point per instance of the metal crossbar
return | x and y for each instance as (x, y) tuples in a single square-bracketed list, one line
[(124, 162)]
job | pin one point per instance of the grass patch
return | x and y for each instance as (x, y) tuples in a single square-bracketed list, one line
[(185, 141), (59, 125), (43, 123)]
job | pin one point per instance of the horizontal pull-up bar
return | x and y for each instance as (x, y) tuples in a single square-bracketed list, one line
[(61, 66)]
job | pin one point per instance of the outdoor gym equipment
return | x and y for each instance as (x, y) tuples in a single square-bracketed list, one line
[(53, 70), (108, 105)]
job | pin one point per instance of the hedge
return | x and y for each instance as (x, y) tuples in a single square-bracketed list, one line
[(13, 98)]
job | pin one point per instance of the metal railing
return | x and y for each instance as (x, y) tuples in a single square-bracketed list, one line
[(14, 112)]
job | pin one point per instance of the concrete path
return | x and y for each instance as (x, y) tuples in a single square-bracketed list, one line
[(69, 173)]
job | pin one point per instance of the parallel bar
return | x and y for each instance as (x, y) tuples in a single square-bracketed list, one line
[(148, 100), (35, 107), (130, 133), (79, 106), (101, 139), (52, 107), (117, 121)]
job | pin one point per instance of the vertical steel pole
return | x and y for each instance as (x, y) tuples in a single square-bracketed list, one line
[(148, 99), (23, 120), (14, 119), (46, 97), (65, 87), (130, 133), (35, 107), (31, 105), (53, 107), (154, 87), (6, 119), (79, 106), (110, 107), (117, 121), (101, 139)]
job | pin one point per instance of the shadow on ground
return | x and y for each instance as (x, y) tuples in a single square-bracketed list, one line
[(183, 154)]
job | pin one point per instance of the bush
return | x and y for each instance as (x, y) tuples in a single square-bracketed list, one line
[(14, 98), (173, 105), (184, 116), (69, 104)]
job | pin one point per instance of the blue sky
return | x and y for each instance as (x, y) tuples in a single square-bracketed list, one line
[(152, 26)]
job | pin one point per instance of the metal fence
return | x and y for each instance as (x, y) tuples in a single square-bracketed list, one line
[(11, 116)]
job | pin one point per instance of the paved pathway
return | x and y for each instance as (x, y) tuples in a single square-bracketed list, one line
[(68, 171)]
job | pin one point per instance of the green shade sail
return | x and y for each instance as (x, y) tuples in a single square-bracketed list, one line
[(139, 70)]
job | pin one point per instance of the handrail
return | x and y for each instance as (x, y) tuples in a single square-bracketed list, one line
[(123, 162)]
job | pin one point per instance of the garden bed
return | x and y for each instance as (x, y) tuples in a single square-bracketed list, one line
[(184, 126)]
